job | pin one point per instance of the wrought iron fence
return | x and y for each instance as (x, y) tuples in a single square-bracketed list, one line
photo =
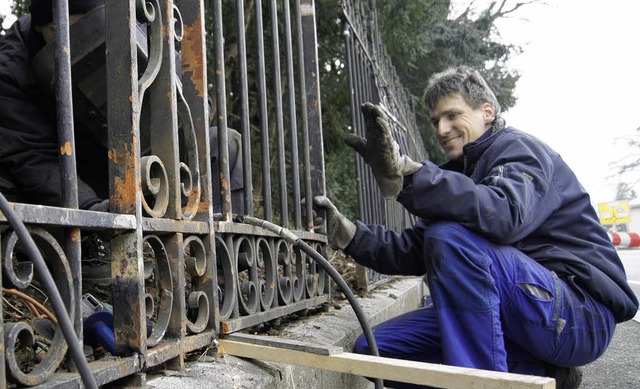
[(372, 78), (174, 271)]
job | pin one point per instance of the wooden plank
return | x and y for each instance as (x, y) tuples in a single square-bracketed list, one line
[(390, 369), (285, 344)]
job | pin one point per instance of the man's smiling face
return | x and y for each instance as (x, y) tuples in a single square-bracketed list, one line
[(456, 123)]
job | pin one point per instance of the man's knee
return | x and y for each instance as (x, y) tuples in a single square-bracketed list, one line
[(445, 230)]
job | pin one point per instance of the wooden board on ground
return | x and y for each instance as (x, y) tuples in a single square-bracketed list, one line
[(288, 344), (390, 369)]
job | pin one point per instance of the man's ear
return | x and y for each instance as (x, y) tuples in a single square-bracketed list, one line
[(489, 113)]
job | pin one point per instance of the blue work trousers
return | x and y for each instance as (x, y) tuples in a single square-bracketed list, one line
[(493, 308)]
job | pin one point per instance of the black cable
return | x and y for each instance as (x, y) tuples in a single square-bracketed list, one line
[(77, 354), (333, 273)]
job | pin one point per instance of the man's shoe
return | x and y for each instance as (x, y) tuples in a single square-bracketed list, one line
[(566, 377)]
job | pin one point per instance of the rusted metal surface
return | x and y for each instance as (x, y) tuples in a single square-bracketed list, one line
[(46, 215), (178, 273), (105, 371)]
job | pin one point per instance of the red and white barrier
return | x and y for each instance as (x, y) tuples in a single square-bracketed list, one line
[(624, 240)]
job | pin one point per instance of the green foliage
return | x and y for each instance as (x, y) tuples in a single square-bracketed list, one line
[(18, 8), (422, 39)]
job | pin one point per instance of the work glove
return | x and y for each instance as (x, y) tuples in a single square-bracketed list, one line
[(102, 206), (340, 230), (381, 152)]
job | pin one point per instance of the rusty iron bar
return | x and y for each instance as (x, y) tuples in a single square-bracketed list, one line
[(64, 106), (66, 142), (264, 116), (194, 83), (245, 129), (124, 170), (278, 112), (293, 125), (221, 110)]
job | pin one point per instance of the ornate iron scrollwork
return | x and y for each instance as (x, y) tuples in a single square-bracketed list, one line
[(158, 287), (19, 337), (195, 257), (266, 272), (226, 279), (155, 186)]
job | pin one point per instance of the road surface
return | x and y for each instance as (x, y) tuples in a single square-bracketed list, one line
[(631, 261)]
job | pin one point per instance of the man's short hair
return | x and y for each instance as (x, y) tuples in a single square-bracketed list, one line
[(42, 10), (464, 80)]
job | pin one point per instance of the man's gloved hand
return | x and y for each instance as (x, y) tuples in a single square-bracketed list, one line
[(381, 152), (102, 206), (340, 229)]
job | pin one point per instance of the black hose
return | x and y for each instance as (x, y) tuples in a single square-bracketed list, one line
[(77, 354), (333, 273)]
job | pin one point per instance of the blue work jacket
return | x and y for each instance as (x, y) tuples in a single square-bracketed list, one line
[(513, 189)]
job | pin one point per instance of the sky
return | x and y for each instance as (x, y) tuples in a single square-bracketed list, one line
[(580, 82), (579, 89)]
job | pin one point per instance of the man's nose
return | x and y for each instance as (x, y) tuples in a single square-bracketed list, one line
[(442, 128)]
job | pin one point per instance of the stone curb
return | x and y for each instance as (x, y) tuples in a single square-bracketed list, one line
[(338, 327)]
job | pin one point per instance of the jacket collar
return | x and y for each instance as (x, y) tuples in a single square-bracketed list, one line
[(473, 150)]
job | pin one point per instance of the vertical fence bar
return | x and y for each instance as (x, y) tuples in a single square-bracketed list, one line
[(293, 121), (244, 107), (221, 110), (355, 112), (66, 142), (194, 85), (312, 87), (277, 98), (264, 116), (124, 170), (306, 162), (64, 106)]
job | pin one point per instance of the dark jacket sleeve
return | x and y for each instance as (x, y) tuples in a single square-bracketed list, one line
[(505, 206), (28, 150), (389, 252)]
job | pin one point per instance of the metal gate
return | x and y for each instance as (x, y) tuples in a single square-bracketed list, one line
[(179, 271)]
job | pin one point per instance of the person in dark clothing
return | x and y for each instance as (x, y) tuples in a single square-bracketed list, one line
[(29, 167), (522, 277)]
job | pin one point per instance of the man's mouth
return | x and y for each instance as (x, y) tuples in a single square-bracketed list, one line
[(448, 141)]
